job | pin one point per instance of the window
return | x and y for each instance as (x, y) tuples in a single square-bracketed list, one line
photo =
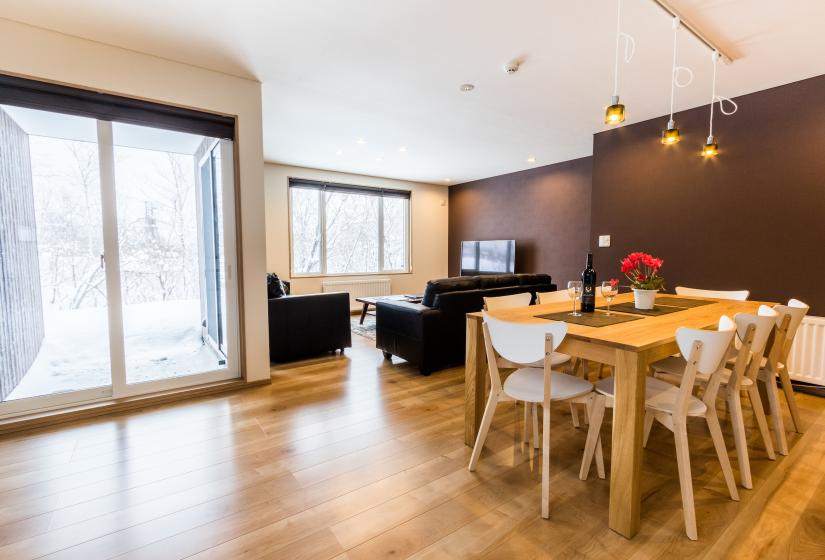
[(116, 247), (343, 229)]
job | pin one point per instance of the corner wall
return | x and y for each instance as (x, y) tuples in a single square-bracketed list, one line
[(46, 55), (428, 222), (546, 210), (750, 218)]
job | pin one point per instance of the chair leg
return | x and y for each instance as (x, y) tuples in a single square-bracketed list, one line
[(787, 388), (721, 452), (761, 420), (685, 480), (545, 463), (575, 414), (535, 426), (486, 420), (776, 416), (526, 427), (734, 400), (647, 426), (593, 436), (588, 405)]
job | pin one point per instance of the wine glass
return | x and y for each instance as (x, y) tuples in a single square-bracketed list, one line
[(574, 290), (609, 291)]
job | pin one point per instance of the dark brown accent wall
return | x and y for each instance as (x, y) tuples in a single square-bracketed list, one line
[(546, 210), (751, 218)]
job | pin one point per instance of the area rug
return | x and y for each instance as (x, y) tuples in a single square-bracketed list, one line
[(367, 330)]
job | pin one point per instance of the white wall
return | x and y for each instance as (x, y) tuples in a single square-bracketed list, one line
[(428, 222), (41, 54)]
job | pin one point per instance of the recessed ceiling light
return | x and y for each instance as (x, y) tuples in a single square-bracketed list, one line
[(379, 159), (531, 159), (339, 152), (360, 141), (466, 87), (402, 149), (447, 180)]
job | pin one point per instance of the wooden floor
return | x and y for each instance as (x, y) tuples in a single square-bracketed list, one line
[(354, 458)]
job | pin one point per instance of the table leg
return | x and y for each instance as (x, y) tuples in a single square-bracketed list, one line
[(364, 313), (475, 367), (628, 419)]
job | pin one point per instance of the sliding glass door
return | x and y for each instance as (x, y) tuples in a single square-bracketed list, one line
[(116, 260)]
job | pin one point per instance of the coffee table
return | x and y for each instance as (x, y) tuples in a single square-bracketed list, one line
[(368, 301)]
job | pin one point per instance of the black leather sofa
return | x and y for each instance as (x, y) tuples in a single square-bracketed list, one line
[(432, 334), (302, 326)]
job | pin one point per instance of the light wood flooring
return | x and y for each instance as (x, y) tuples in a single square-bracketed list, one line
[(350, 457)]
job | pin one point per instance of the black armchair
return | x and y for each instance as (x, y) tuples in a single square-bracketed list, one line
[(301, 326)]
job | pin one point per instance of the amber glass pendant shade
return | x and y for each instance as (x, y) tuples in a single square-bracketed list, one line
[(615, 113), (711, 149), (670, 136)]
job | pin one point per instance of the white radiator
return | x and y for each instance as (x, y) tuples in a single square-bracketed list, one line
[(358, 288), (807, 359)]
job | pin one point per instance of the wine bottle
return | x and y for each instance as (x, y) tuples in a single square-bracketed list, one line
[(589, 286)]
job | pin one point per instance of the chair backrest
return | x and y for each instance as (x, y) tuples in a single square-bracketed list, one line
[(706, 352), (762, 323), (796, 310), (740, 295), (552, 297), (523, 343), (507, 302)]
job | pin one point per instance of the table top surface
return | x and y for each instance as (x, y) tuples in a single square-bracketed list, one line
[(648, 332)]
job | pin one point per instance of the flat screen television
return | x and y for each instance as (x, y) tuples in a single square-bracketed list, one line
[(488, 257)]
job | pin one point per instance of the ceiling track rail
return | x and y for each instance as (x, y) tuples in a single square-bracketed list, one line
[(695, 31)]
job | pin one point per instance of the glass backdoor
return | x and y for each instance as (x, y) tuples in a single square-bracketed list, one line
[(116, 246)]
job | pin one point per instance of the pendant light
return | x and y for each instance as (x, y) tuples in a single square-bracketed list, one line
[(670, 135), (614, 114), (711, 147)]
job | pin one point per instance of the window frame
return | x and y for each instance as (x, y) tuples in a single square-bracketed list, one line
[(321, 187)]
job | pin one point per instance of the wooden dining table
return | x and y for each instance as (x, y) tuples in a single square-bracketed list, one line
[(630, 348)]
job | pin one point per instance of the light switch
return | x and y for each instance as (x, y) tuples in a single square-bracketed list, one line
[(604, 241)]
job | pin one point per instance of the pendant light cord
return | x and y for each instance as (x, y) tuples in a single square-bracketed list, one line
[(673, 67), (715, 58), (618, 37)]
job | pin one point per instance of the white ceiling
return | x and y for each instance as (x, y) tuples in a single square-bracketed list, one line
[(389, 71)]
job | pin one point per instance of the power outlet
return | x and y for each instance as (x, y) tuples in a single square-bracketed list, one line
[(604, 241)]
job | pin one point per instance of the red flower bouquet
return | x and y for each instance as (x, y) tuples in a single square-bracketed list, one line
[(642, 270)]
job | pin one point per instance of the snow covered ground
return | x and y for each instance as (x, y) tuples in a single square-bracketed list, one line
[(163, 340)]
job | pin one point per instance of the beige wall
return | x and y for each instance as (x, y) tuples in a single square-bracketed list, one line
[(428, 223), (37, 53)]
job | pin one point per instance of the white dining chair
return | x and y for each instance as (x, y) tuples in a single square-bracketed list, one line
[(777, 366), (507, 302), (671, 406), (521, 300), (577, 366), (526, 343), (745, 359), (740, 295), (498, 303)]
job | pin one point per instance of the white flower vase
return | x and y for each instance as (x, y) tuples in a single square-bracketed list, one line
[(644, 299)]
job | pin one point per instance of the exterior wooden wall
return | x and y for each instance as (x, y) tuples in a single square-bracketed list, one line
[(21, 307)]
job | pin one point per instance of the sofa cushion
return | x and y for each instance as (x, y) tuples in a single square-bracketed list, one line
[(444, 285), (498, 281), (533, 279)]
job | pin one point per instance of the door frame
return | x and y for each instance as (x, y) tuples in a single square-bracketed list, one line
[(119, 387)]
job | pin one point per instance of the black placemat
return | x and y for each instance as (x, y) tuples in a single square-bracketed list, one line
[(630, 307), (595, 319), (682, 302)]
